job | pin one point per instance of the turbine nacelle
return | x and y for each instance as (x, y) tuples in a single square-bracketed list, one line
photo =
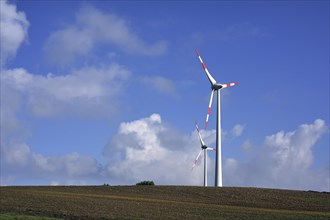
[(219, 86), (204, 147), (216, 86)]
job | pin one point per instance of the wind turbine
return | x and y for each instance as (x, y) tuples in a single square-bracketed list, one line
[(215, 87), (205, 149)]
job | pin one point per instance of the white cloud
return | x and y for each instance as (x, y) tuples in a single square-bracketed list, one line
[(241, 30), (19, 159), (145, 144), (145, 149), (234, 133), (247, 145), (7, 181), (293, 150), (11, 103), (142, 149), (54, 183), (237, 130), (284, 161), (14, 26), (87, 92), (17, 154), (71, 165), (81, 93), (93, 27)]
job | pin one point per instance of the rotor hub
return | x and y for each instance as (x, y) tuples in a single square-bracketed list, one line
[(216, 86)]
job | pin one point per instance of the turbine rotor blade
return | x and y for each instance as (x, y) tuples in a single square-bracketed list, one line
[(229, 84), (195, 161), (210, 148), (209, 110), (199, 135), (209, 76)]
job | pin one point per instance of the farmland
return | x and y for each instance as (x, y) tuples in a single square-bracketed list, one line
[(162, 202)]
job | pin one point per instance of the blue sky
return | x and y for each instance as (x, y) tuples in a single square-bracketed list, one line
[(97, 92)]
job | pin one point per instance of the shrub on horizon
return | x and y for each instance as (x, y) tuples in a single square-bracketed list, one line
[(146, 183)]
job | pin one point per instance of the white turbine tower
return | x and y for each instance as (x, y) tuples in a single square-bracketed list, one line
[(215, 87), (205, 149)]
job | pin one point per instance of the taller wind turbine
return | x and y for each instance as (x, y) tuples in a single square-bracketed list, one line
[(215, 87)]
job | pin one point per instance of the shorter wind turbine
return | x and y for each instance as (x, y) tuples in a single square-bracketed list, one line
[(205, 149)]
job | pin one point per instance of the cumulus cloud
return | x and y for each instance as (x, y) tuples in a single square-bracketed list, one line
[(143, 149), (72, 164), (81, 92), (234, 133), (17, 158), (146, 149), (14, 26), (284, 161), (93, 27), (149, 149), (247, 145), (18, 154), (87, 92)]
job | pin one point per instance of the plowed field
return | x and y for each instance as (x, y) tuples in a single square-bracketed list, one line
[(163, 202)]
